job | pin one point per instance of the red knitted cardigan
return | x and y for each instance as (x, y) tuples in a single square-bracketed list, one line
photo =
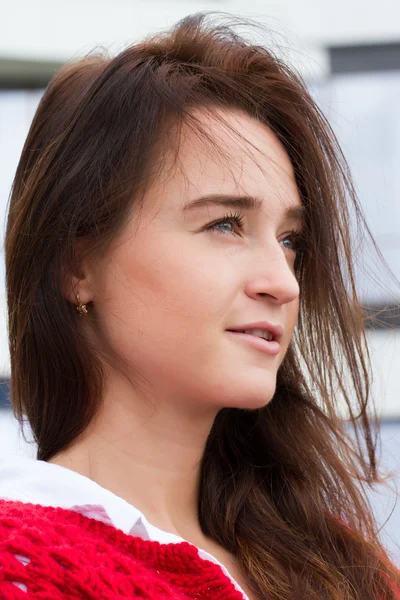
[(51, 553), (59, 554)]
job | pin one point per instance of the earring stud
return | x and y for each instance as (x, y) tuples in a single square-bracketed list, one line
[(82, 308)]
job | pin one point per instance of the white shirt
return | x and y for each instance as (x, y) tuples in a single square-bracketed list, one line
[(38, 482)]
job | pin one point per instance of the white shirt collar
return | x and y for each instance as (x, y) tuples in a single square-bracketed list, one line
[(30, 480), (38, 482)]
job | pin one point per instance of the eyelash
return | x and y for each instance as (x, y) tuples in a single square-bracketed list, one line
[(238, 219)]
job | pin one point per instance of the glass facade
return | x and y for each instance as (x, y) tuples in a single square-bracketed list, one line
[(362, 109)]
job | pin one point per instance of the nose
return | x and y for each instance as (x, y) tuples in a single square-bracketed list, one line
[(274, 277)]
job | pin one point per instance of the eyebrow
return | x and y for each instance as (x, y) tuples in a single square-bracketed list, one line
[(295, 212)]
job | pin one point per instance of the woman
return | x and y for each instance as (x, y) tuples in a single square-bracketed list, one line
[(179, 278)]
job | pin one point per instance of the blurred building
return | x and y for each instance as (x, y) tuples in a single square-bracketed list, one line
[(348, 51)]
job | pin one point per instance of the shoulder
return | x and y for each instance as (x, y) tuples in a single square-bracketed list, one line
[(52, 552), (19, 514), (28, 537), (38, 527), (33, 527)]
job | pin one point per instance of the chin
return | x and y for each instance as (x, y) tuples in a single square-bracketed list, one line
[(247, 389), (255, 405), (252, 401)]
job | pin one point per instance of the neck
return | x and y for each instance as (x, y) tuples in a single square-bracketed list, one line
[(150, 458)]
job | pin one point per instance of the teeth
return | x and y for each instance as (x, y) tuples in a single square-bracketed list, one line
[(266, 335)]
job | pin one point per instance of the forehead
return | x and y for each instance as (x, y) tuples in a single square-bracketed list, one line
[(238, 155)]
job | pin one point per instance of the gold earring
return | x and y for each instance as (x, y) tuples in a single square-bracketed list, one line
[(82, 308)]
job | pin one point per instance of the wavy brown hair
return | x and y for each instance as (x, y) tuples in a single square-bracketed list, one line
[(282, 487)]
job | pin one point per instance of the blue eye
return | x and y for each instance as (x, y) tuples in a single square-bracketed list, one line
[(298, 238), (235, 218)]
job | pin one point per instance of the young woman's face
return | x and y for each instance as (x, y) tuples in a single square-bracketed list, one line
[(172, 285)]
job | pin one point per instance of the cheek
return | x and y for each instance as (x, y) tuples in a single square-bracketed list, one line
[(292, 314), (178, 279), (167, 297)]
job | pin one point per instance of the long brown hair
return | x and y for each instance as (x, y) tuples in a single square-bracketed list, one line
[(282, 487)]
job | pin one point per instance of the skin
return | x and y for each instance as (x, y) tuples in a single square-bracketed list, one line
[(163, 296)]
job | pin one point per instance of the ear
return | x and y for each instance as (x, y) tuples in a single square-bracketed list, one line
[(78, 288), (76, 280)]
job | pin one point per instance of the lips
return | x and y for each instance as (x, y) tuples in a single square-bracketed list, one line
[(271, 348), (275, 330), (261, 333)]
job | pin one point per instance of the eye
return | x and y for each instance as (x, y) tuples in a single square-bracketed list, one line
[(235, 218), (298, 241), (296, 237)]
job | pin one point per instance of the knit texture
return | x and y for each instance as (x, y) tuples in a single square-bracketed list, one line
[(50, 553)]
